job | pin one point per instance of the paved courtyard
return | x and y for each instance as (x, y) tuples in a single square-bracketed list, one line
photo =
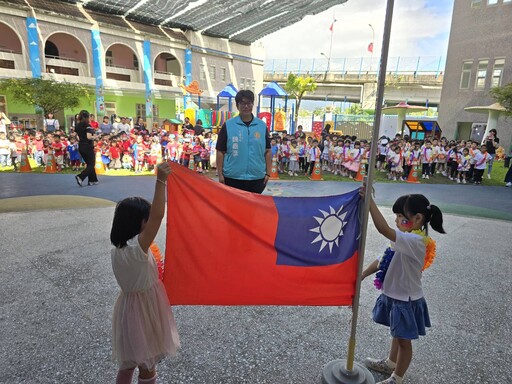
[(57, 293)]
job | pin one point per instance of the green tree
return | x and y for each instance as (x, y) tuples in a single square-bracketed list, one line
[(48, 96), (297, 87), (354, 109), (503, 95)]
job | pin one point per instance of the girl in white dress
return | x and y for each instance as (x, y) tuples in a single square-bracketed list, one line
[(143, 327)]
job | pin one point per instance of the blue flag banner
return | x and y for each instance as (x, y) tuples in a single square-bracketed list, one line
[(317, 231), (33, 47), (97, 50), (148, 77)]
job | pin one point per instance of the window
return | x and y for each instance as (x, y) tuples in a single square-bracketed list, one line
[(156, 111), (223, 74), (109, 108), (492, 2), (202, 72), (481, 74), (476, 3), (213, 72), (109, 59), (497, 72), (140, 110), (135, 62), (507, 1), (466, 74), (242, 83), (253, 87)]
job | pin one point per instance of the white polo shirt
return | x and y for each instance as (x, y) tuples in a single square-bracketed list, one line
[(403, 278)]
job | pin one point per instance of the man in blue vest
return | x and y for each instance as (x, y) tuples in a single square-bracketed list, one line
[(244, 158)]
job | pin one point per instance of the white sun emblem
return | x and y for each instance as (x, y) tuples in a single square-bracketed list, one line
[(330, 229)]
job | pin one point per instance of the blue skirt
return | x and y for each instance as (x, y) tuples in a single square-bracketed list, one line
[(405, 319)]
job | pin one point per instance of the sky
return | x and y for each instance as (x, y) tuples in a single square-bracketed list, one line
[(420, 28)]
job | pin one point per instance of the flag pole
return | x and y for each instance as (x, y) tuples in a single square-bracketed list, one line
[(335, 372)]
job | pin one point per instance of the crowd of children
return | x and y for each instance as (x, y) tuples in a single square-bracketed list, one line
[(140, 150), (461, 161), (137, 150)]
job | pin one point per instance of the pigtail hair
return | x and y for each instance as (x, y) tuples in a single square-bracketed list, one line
[(436, 219)]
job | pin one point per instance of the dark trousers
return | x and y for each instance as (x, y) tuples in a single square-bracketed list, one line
[(508, 176), (311, 167), (477, 175), (452, 165), (255, 186), (302, 163), (407, 170), (471, 171), (426, 169), (87, 153), (205, 164)]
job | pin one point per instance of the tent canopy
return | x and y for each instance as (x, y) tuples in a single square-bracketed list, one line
[(228, 91), (273, 89)]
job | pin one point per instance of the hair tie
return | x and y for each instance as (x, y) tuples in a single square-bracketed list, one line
[(428, 207)]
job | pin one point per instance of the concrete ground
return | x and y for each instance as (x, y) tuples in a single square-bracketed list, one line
[(58, 290)]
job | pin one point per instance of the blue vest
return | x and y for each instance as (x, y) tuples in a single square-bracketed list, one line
[(245, 155)]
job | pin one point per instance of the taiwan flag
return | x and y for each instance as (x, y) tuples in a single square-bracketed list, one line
[(231, 247)]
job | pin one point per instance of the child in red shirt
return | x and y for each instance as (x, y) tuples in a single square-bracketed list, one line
[(59, 150), (115, 157)]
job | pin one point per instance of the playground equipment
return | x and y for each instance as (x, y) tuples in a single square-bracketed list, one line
[(274, 90), (400, 110), (228, 92), (420, 129)]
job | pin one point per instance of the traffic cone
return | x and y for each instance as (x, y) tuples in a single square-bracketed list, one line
[(274, 175), (362, 171), (98, 164), (317, 172), (50, 163), (24, 163), (413, 175)]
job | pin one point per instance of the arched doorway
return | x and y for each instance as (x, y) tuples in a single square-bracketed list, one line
[(51, 50), (167, 70), (122, 63), (11, 48), (65, 55)]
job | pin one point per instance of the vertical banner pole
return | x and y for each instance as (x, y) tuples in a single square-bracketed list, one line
[(369, 181), (341, 371)]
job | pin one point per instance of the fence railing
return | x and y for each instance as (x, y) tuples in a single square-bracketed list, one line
[(424, 65)]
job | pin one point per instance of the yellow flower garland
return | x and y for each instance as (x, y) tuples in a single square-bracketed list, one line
[(430, 248)]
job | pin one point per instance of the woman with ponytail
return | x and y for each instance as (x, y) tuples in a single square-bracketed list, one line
[(401, 306)]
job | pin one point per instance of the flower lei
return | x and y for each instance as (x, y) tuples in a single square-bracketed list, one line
[(159, 260), (430, 254)]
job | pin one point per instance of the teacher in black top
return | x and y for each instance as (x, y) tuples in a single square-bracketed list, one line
[(86, 139)]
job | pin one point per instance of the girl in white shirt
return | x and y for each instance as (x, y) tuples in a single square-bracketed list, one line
[(401, 306)]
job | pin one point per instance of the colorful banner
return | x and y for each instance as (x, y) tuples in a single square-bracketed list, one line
[(188, 76), (97, 61), (260, 250), (33, 47), (148, 78)]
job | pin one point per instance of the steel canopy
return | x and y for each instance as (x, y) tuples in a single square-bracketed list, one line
[(243, 21)]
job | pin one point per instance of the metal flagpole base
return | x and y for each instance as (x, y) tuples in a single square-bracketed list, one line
[(335, 373)]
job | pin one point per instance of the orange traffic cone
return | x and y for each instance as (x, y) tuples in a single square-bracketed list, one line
[(274, 175), (98, 164), (317, 172), (413, 175), (362, 171), (50, 163), (24, 163)]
